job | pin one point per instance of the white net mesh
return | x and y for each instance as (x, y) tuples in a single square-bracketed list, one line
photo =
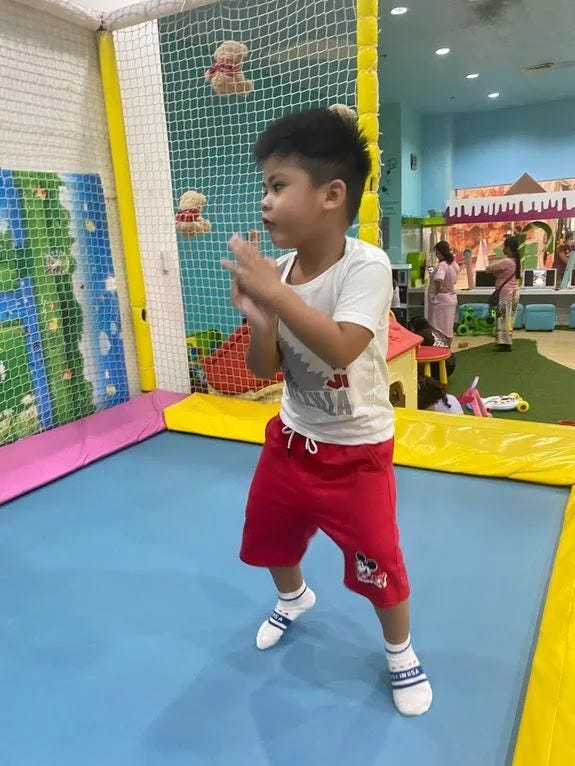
[(185, 134), (65, 343)]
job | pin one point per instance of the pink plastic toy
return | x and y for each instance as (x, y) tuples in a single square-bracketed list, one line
[(471, 400)]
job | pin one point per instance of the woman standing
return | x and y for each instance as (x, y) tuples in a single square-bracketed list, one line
[(507, 272), (562, 253), (442, 299)]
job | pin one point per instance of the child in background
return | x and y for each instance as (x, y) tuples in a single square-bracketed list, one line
[(431, 337), (430, 396)]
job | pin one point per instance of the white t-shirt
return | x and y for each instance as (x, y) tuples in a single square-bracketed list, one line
[(349, 406), (453, 407)]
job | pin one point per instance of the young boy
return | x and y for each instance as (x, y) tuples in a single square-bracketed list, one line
[(320, 314)]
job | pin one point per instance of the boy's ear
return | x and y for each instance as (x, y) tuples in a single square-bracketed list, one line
[(335, 194)]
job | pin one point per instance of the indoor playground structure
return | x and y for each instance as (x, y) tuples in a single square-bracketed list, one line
[(128, 625)]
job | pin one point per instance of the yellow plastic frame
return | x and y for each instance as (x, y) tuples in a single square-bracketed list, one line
[(496, 448), (529, 452), (541, 454), (125, 196), (367, 94)]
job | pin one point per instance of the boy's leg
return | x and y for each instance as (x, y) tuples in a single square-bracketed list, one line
[(412, 692), (360, 518), (287, 579), (277, 531), (294, 599), (395, 622)]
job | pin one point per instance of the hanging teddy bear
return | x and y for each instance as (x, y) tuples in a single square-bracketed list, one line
[(344, 111), (225, 75), (189, 219)]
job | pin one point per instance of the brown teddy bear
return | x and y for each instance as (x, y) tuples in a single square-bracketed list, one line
[(189, 220), (344, 111), (225, 75)]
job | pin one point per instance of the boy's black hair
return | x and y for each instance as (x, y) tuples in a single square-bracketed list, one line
[(327, 145), (429, 392)]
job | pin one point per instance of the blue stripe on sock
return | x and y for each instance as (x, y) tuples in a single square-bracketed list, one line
[(405, 675), (284, 621), (408, 686)]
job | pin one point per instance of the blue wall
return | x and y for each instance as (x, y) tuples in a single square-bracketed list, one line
[(391, 177), (496, 147), (410, 179), (437, 162), (400, 189)]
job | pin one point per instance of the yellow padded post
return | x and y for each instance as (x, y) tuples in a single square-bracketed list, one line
[(128, 225), (548, 720), (368, 113)]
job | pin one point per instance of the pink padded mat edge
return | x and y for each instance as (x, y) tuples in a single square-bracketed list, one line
[(37, 460)]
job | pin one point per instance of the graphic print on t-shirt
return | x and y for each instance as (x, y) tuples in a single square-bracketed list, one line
[(322, 388)]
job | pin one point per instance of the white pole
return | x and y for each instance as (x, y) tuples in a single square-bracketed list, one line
[(149, 10), (67, 11)]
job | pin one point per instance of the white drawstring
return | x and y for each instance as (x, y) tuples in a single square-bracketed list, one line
[(310, 445), (286, 430)]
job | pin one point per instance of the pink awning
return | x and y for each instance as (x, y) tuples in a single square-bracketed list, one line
[(515, 207)]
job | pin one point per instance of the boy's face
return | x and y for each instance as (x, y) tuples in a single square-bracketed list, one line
[(293, 209)]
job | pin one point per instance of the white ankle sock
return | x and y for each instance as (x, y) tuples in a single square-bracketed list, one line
[(411, 690), (288, 608)]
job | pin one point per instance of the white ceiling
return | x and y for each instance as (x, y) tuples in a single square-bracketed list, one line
[(495, 38)]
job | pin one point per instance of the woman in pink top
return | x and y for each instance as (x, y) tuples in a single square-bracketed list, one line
[(507, 272), (442, 299)]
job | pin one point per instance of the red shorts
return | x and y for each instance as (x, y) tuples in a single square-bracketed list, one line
[(347, 492)]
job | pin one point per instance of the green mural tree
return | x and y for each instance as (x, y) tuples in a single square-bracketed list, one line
[(48, 260)]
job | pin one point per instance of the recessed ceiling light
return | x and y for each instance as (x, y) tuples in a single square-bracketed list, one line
[(442, 51), (473, 76), (399, 11), (493, 95)]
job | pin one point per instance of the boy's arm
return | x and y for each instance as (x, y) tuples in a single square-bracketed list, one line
[(263, 356), (338, 341), (364, 298)]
